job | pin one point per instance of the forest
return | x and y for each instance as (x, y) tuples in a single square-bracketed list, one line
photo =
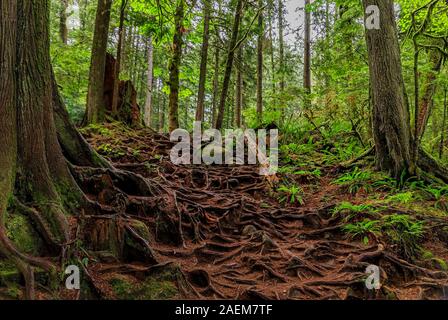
[(345, 101)]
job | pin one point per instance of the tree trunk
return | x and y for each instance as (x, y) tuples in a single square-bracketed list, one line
[(162, 110), (216, 73), (119, 55), (429, 89), (445, 111), (281, 56), (260, 64), (307, 56), (33, 169), (272, 50), (229, 64), (150, 79), (175, 66), (239, 89), (391, 126), (63, 30), (42, 152), (204, 56), (95, 107)]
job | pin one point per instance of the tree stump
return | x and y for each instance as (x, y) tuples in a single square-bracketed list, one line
[(128, 110)]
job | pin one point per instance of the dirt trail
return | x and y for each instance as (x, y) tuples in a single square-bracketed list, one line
[(228, 237)]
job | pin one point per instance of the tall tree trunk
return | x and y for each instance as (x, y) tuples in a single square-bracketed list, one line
[(260, 41), (229, 63), (63, 30), (391, 127), (162, 110), (429, 89), (119, 55), (95, 101), (445, 111), (149, 84), (35, 179), (34, 173), (204, 56), (281, 55), (239, 89), (307, 56), (83, 14), (272, 50), (216, 72), (175, 66), (215, 85), (135, 53)]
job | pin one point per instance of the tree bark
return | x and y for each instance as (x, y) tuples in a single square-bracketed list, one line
[(281, 56), (200, 109), (260, 39), (429, 89), (216, 72), (63, 30), (33, 168), (149, 85), (175, 66), (239, 89), (307, 56), (119, 56), (229, 64), (95, 107), (391, 127), (445, 111)]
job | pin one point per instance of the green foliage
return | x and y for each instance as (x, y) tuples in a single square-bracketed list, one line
[(400, 229), (402, 198), (363, 229), (355, 180), (292, 194), (350, 212), (404, 232), (433, 260)]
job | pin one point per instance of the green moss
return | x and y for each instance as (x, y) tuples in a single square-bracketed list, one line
[(7, 270), (153, 288), (70, 197), (22, 233)]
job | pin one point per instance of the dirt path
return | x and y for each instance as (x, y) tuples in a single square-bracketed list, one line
[(228, 237)]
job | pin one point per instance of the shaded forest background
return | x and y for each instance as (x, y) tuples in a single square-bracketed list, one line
[(332, 88)]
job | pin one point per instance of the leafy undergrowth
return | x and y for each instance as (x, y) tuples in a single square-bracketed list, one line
[(307, 233)]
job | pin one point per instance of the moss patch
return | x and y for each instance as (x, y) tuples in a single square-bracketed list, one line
[(153, 288), (22, 233)]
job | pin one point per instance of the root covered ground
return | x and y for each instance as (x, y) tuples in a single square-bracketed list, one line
[(225, 232)]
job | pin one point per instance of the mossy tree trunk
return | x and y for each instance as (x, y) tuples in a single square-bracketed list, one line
[(175, 66), (34, 171), (119, 55), (260, 43), (391, 123), (44, 160), (95, 111)]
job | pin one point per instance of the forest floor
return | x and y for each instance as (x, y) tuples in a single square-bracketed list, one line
[(310, 232), (307, 233)]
